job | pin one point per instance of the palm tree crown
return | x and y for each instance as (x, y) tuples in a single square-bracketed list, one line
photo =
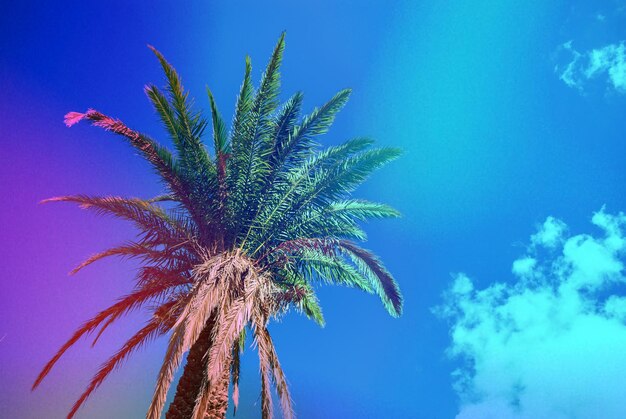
[(239, 237)]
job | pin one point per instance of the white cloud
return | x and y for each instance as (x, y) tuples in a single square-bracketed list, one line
[(523, 267), (608, 62), (552, 344), (550, 234), (569, 74)]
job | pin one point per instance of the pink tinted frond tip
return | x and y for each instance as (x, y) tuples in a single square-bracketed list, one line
[(236, 396), (72, 118), (53, 199)]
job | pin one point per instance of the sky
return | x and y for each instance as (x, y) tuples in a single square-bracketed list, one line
[(509, 253)]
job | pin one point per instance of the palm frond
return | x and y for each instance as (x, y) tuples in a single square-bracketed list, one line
[(141, 251), (151, 330), (186, 128), (122, 306), (154, 290), (361, 209), (164, 109), (268, 357), (286, 145), (310, 306), (160, 158), (320, 120), (299, 186), (220, 135), (231, 323), (323, 258), (162, 198), (293, 144), (341, 179), (265, 366), (171, 362), (384, 284), (235, 370), (337, 220), (250, 150), (329, 184), (233, 165), (189, 125), (152, 221), (318, 265)]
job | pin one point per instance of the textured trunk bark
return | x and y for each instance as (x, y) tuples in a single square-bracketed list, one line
[(189, 384), (218, 399)]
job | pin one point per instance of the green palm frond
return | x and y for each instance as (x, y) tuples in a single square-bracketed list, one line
[(165, 111), (361, 210), (186, 126), (336, 182), (297, 185), (304, 297), (285, 144), (220, 135), (341, 179), (338, 220), (234, 163), (327, 176), (293, 144), (310, 306), (336, 252), (316, 265), (381, 280), (320, 120), (251, 150)]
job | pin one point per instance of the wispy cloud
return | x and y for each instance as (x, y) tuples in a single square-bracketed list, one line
[(553, 344), (607, 63)]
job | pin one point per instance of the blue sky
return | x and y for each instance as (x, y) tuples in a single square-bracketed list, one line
[(508, 113)]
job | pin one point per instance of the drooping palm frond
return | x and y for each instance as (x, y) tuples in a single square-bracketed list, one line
[(160, 158), (124, 305), (382, 281), (235, 371), (168, 255), (154, 328), (324, 259), (246, 233), (154, 224)]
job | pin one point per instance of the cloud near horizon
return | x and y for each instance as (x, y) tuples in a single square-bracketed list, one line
[(553, 343), (608, 62)]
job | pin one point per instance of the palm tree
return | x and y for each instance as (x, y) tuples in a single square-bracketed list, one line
[(238, 238)]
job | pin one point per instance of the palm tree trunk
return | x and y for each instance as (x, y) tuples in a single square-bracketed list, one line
[(191, 380), (218, 398)]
